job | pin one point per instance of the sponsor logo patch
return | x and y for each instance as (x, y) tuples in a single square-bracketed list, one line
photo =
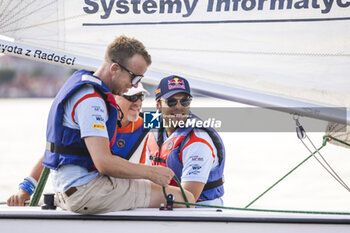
[(121, 143), (98, 109), (176, 83), (195, 169), (98, 126), (196, 158), (99, 118), (170, 145)]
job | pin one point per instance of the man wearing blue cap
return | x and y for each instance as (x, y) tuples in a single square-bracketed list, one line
[(81, 130), (196, 155)]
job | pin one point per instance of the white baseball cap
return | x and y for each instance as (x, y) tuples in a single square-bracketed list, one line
[(133, 90)]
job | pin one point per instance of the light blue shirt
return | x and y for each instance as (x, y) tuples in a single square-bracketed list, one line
[(90, 118), (71, 176)]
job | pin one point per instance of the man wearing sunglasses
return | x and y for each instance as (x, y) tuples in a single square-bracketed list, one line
[(196, 155), (129, 143), (81, 130), (131, 136)]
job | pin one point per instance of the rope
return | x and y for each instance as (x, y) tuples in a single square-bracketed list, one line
[(40, 187), (245, 209), (323, 145), (45, 174), (326, 139), (182, 191), (326, 165)]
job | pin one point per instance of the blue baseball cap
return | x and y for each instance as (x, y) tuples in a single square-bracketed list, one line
[(172, 85)]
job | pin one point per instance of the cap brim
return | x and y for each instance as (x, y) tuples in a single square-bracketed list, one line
[(171, 93), (134, 91)]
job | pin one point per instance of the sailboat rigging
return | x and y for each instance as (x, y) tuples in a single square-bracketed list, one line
[(286, 55)]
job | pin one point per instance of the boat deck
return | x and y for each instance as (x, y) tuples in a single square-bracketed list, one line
[(33, 219)]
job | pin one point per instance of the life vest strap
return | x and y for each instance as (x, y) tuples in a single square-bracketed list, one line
[(157, 159), (213, 184), (66, 149), (139, 140)]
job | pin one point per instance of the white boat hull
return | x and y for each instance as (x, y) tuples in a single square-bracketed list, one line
[(33, 219)]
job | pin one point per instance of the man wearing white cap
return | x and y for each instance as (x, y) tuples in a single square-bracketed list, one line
[(131, 136)]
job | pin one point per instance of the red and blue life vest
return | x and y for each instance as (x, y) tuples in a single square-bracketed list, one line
[(64, 144), (129, 139), (169, 154)]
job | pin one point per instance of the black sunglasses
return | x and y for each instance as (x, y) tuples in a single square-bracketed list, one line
[(134, 98), (185, 102), (135, 78)]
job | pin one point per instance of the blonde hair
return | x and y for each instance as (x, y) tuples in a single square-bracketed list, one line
[(123, 48)]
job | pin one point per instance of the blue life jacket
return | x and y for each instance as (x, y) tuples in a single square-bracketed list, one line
[(127, 142), (64, 144), (169, 154)]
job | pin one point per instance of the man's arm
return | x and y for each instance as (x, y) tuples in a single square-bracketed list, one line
[(37, 169), (195, 188), (21, 196), (114, 166), (198, 159)]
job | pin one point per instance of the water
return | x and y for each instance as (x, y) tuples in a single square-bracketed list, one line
[(254, 161)]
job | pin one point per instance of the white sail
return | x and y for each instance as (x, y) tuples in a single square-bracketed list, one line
[(272, 53), (292, 50)]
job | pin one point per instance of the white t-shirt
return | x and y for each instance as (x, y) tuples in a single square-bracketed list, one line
[(197, 160), (89, 116)]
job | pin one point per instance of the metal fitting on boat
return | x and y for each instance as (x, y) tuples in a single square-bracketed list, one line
[(169, 203), (49, 202)]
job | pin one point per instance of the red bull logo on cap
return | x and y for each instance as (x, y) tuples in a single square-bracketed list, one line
[(176, 83)]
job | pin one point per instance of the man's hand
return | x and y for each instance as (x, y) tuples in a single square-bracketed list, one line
[(161, 175), (18, 199), (115, 166)]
